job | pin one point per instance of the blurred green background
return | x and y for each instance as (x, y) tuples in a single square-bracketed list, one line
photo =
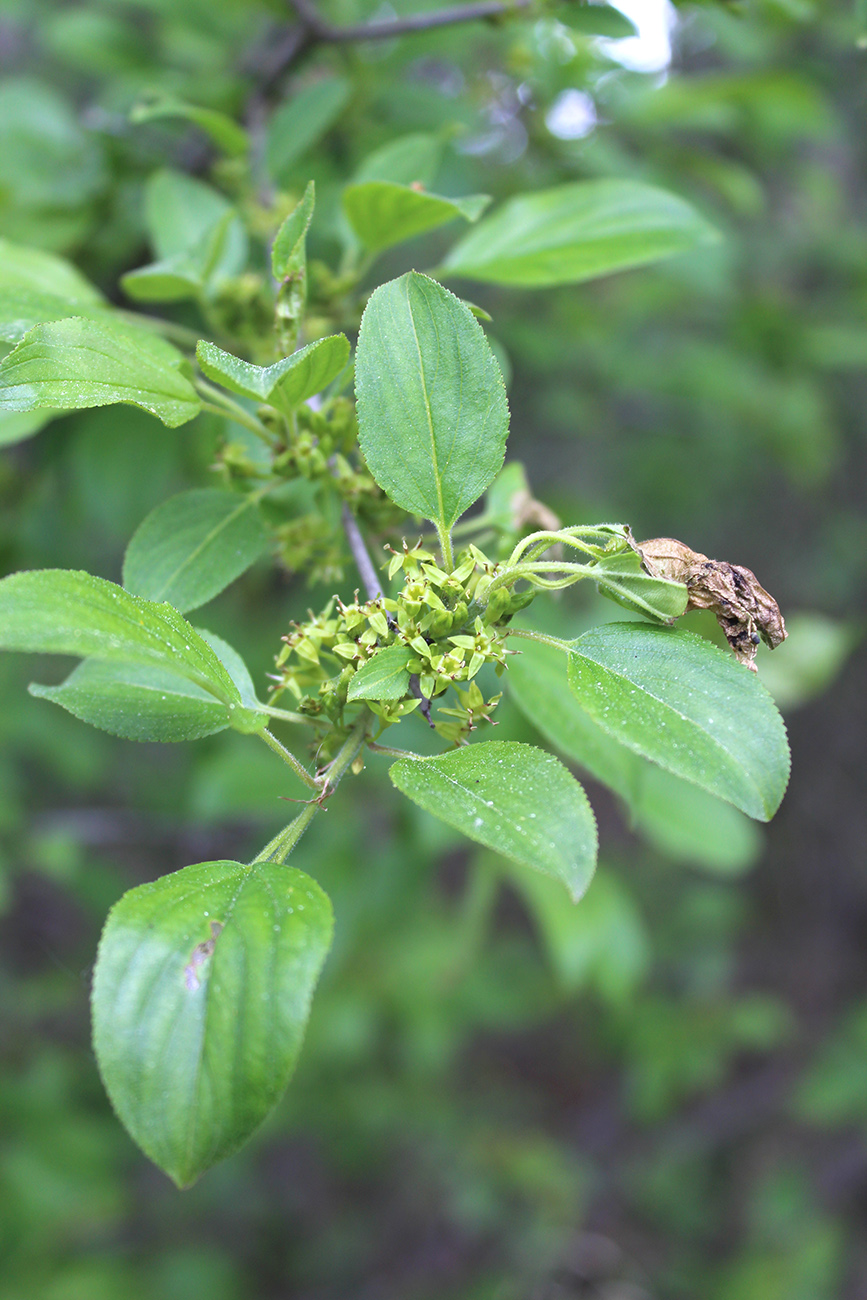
[(663, 1092)]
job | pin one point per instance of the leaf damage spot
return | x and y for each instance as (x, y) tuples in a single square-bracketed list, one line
[(200, 955), (743, 609)]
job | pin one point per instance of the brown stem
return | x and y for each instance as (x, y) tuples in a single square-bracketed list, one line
[(271, 58), (424, 707), (361, 555)]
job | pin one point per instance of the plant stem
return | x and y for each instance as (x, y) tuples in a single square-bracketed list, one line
[(285, 716), (223, 405), (535, 573), (388, 749), (530, 634), (289, 759), (281, 846), (360, 554)]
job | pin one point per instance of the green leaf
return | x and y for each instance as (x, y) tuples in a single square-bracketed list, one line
[(432, 408), (220, 253), (408, 159), (686, 823), (37, 286), (192, 546), (35, 271), (507, 495), (179, 211), (240, 675), (201, 995), (21, 309), (384, 677), (73, 364), (602, 943), (17, 425), (300, 122), (173, 280), (515, 799), (600, 20), (383, 213), (538, 684), (226, 134), (137, 702), (58, 611), (622, 578), (576, 232), (291, 232), (287, 383), (688, 706), (689, 825)]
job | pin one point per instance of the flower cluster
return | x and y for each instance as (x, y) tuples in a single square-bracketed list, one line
[(447, 633)]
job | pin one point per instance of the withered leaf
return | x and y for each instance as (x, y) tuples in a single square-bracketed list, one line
[(743, 609)]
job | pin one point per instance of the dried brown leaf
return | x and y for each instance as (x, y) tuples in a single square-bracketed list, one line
[(743, 609)]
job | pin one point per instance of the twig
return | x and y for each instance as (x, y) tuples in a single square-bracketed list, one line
[(373, 586), (290, 760), (361, 555), (221, 404), (279, 848), (268, 61), (390, 750), (323, 31), (424, 707)]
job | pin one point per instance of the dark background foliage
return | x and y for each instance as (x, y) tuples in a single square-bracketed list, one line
[(666, 1100)]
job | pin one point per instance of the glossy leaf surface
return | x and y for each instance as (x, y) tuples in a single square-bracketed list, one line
[(137, 702), (432, 406), (383, 213), (684, 821), (237, 670), (201, 995), (515, 799), (21, 309), (76, 363), (686, 705), (192, 546), (576, 232), (60, 611), (287, 383), (36, 286)]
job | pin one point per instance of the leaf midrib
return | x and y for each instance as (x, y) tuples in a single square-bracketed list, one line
[(206, 541), (441, 521)]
